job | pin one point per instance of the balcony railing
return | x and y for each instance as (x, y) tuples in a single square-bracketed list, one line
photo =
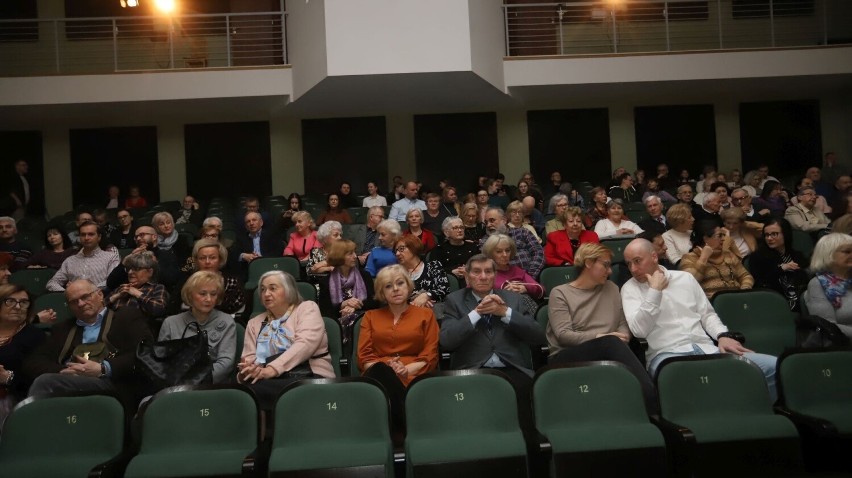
[(645, 26), (116, 44)]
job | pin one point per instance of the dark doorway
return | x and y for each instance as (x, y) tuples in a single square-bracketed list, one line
[(573, 142), (786, 135), (120, 156), (24, 145), (682, 136), (460, 147), (228, 160)]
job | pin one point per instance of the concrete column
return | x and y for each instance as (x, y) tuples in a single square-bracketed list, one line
[(622, 137), (171, 161), (513, 144), (288, 172), (399, 129), (57, 170), (728, 149)]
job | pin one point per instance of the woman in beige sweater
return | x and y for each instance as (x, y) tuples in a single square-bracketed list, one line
[(712, 264), (586, 321)]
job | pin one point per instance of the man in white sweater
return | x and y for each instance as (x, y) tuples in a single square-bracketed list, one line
[(671, 311)]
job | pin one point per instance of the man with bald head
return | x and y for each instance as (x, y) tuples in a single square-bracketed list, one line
[(400, 208), (671, 311), (68, 360), (257, 241), (532, 215)]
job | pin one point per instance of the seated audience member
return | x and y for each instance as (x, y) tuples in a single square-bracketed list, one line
[(400, 208), (328, 233), (57, 248), (114, 199), (122, 236), (251, 204), (653, 189), (586, 321), (551, 187), (530, 254), (17, 339), (774, 198), (723, 192), (660, 248), (710, 207), (345, 196), (704, 186), (9, 243), (168, 267), (284, 343), (207, 231), (529, 188), (496, 196), (454, 252), (82, 216), (736, 179), (334, 212), (678, 239), (500, 248), (255, 242), (558, 204), (561, 244), (743, 233), (414, 218), (203, 292), (656, 219), (482, 204), (434, 215), (715, 268), (383, 254), (430, 280), (399, 342), (842, 224), (751, 183), (532, 216), (134, 199), (515, 216), (684, 177), (286, 220), (639, 182), (304, 239), (100, 216), (209, 255), (574, 197), (450, 201), (671, 311), (804, 216), (776, 265), (839, 197), (828, 293), (487, 327), (368, 237), (374, 198), (62, 363), (624, 190), (141, 290), (597, 211), (189, 212), (821, 203), (474, 230), (92, 262), (168, 238), (347, 291), (740, 198), (615, 224), (6, 260)]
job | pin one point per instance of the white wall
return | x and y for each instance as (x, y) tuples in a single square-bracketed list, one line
[(487, 41), (306, 44)]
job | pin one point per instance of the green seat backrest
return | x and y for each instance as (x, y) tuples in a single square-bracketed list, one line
[(354, 370), (819, 384), (34, 280), (335, 343), (762, 316), (258, 266), (241, 338), (556, 276), (196, 433), (83, 432), (617, 247), (580, 404), (331, 425), (454, 282), (307, 290), (55, 301), (803, 242), (542, 317)]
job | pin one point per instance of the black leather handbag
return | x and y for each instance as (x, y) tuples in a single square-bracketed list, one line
[(183, 361)]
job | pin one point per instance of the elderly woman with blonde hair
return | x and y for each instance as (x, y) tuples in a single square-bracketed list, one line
[(828, 294), (304, 239), (203, 292), (317, 265), (383, 254), (168, 238)]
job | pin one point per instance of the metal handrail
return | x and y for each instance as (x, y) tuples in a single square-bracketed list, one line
[(141, 43), (636, 26)]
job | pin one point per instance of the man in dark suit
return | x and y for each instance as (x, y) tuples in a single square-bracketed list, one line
[(656, 219), (56, 368), (256, 242), (488, 328)]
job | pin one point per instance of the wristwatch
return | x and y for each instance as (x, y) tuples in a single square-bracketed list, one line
[(732, 335)]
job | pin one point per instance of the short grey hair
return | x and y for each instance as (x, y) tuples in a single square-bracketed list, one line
[(709, 197), (161, 216), (390, 226), (823, 255), (551, 206), (210, 222), (141, 260), (324, 231), (291, 290), (448, 223), (652, 197), (9, 219)]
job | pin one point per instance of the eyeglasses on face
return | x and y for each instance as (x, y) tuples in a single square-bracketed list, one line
[(772, 235), (12, 302)]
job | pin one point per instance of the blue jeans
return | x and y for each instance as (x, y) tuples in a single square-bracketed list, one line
[(766, 363)]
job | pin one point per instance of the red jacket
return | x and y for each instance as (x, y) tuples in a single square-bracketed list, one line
[(558, 250)]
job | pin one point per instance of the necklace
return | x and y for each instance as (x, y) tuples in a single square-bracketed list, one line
[(414, 269), (5, 339)]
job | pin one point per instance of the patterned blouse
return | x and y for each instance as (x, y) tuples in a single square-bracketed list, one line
[(153, 302), (432, 279)]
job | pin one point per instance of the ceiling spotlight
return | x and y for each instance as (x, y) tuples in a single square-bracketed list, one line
[(129, 3)]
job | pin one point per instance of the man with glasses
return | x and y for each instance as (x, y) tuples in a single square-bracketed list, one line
[(168, 268), (94, 351), (91, 263), (366, 238), (530, 252), (742, 199), (804, 216)]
